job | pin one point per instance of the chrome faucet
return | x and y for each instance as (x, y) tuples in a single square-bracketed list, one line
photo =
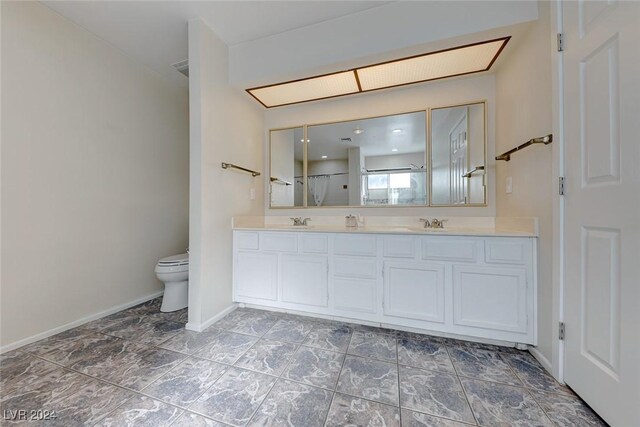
[(299, 222), (434, 223)]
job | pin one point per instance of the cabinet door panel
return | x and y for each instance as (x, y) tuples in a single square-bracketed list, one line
[(256, 275), (304, 280), (490, 297), (399, 247), (414, 290), (357, 295), (364, 268), (445, 248)]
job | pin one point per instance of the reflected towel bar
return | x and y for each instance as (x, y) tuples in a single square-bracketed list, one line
[(231, 165), (476, 169), (279, 181), (542, 140)]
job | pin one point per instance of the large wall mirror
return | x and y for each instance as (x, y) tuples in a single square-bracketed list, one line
[(381, 161), (458, 155)]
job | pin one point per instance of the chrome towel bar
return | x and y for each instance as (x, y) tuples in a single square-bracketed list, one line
[(231, 165), (542, 140), (476, 169), (279, 181)]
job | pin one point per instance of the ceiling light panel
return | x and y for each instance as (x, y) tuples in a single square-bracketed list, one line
[(321, 87), (452, 62)]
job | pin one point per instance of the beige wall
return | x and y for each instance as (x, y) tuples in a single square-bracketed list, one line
[(386, 102), (226, 126), (523, 111), (94, 174)]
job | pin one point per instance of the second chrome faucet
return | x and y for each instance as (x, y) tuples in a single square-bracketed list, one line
[(300, 222), (434, 223)]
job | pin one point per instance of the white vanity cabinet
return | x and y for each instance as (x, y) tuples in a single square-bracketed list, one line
[(473, 286)]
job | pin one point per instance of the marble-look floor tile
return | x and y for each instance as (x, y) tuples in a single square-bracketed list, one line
[(329, 338), (178, 316), (532, 374), (184, 384), (374, 329), (226, 347), (292, 404), (230, 319), (56, 341), (42, 392), (234, 398), (190, 342), (255, 323), (354, 411), (91, 347), (482, 364), (290, 330), (418, 419), (109, 321), (268, 357), (88, 405), (130, 365), (425, 354), (145, 330), (189, 419), (369, 379), (499, 405), (375, 345), (567, 410), (146, 308), (142, 411), (435, 393), (21, 369), (315, 367)]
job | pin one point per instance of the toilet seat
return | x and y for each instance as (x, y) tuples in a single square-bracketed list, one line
[(174, 260)]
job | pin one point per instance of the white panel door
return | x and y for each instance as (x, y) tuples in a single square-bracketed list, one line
[(414, 290), (303, 280), (602, 206), (256, 275), (490, 297)]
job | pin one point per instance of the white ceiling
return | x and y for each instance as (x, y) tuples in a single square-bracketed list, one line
[(155, 32)]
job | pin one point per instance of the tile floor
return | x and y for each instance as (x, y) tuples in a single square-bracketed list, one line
[(140, 367)]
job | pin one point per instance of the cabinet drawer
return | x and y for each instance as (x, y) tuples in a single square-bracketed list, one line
[(355, 267), (450, 249), (506, 251), (399, 247), (313, 243), (247, 240), (282, 242), (355, 245)]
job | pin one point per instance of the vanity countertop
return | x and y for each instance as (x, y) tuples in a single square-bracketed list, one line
[(499, 228)]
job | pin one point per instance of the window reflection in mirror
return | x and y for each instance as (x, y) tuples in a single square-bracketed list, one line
[(458, 146), (373, 162), (287, 167)]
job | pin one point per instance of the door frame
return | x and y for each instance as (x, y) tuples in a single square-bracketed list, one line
[(558, 167)]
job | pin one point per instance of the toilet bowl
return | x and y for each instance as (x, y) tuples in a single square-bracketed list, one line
[(174, 272)]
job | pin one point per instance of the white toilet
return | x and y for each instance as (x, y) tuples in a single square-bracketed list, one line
[(174, 272)]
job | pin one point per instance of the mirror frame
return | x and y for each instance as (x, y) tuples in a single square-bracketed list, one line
[(427, 111), (486, 146)]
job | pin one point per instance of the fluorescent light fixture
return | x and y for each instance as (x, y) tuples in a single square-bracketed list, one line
[(455, 61), (324, 157), (394, 149), (431, 66), (397, 131), (327, 86), (358, 131)]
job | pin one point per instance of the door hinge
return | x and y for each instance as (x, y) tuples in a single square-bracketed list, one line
[(561, 189), (560, 42), (561, 331)]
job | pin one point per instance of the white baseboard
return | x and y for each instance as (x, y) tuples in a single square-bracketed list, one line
[(76, 323), (546, 364), (199, 327)]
